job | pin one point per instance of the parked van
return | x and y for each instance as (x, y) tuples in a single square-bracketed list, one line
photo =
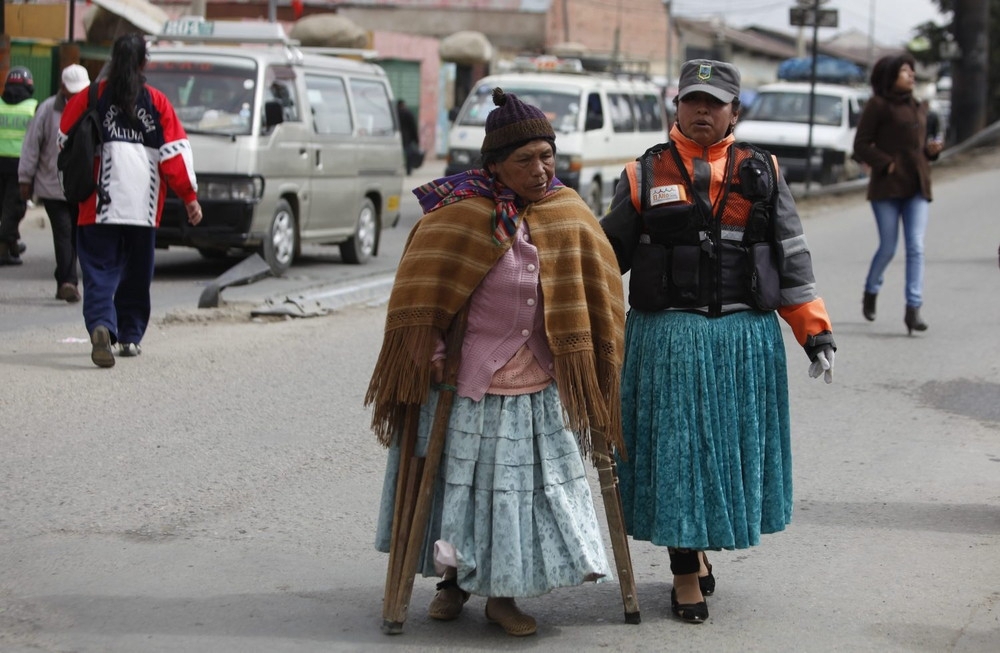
[(290, 147), (601, 123), (778, 121)]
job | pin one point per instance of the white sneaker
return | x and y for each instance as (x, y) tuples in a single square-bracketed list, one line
[(129, 349)]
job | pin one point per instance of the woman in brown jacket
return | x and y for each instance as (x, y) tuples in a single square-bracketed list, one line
[(892, 139)]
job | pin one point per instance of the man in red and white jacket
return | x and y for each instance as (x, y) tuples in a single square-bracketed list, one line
[(145, 149)]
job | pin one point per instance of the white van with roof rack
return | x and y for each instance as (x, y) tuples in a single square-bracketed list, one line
[(290, 146), (602, 121), (778, 121)]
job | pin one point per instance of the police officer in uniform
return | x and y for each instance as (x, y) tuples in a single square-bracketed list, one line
[(17, 107), (708, 230)]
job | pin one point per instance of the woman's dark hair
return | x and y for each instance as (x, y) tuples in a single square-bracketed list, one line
[(886, 71), (499, 156), (125, 77)]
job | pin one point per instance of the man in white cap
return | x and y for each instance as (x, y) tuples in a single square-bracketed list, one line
[(38, 176)]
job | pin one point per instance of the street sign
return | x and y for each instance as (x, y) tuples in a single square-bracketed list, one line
[(809, 17), (188, 26)]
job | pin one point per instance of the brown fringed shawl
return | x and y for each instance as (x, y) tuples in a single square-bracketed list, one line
[(448, 253)]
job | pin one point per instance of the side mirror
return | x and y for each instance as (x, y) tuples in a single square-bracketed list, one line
[(452, 114), (594, 121), (273, 114)]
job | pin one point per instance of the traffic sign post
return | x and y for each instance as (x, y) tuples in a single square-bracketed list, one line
[(812, 16)]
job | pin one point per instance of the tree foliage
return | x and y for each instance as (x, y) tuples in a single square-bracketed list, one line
[(938, 47)]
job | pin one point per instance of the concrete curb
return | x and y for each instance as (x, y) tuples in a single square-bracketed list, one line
[(373, 291)]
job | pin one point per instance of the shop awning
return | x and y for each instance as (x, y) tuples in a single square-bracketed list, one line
[(142, 15)]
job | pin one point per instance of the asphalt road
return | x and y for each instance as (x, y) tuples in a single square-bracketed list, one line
[(219, 492), (27, 292)]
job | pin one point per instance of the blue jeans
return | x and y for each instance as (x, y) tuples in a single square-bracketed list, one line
[(117, 265), (914, 213)]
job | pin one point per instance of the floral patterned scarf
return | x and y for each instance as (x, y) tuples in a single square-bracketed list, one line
[(472, 183)]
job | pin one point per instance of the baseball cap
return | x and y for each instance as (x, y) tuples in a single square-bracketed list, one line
[(75, 78), (719, 79)]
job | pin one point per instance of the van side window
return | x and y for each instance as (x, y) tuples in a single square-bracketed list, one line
[(650, 113), (595, 112), (829, 110), (279, 86), (622, 114), (372, 106), (328, 100), (854, 112)]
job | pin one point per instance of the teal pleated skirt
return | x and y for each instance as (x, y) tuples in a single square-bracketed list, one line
[(511, 496), (706, 428)]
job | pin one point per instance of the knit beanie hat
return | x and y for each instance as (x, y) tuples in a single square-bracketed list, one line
[(514, 122)]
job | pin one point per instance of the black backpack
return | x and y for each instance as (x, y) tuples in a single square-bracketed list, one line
[(76, 158)]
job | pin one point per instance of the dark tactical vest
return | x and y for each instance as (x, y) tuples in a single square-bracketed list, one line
[(692, 255)]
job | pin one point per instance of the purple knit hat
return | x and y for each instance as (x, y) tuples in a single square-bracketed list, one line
[(513, 122)]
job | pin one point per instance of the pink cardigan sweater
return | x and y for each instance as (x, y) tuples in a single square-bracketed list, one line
[(505, 350)]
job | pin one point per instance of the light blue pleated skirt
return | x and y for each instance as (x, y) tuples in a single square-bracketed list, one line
[(512, 497), (706, 427)]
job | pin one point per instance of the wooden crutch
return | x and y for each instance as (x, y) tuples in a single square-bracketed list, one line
[(413, 499), (407, 476), (607, 474)]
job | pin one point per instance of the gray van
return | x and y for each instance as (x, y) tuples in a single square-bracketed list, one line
[(290, 147)]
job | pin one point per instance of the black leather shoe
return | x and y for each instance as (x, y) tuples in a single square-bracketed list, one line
[(692, 613), (707, 583)]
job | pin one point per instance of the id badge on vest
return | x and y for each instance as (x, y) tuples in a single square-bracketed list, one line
[(660, 195)]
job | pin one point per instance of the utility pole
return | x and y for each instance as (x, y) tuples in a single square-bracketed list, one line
[(670, 29), (565, 17), (969, 70), (871, 36)]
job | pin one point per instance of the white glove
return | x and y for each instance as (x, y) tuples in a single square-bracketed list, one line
[(823, 364)]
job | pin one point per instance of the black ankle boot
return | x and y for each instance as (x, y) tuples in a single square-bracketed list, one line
[(913, 320), (868, 306)]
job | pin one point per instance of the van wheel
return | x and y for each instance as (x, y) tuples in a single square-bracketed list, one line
[(595, 198), (832, 174), (280, 245), (361, 246)]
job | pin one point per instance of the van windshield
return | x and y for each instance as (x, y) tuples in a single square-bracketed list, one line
[(209, 97), (561, 106), (787, 106)]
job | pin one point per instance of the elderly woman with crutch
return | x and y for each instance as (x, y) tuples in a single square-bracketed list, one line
[(499, 369)]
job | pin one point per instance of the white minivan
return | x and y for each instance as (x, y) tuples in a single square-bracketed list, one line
[(289, 147), (778, 121), (601, 123)]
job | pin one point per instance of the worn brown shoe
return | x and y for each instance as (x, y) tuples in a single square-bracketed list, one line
[(447, 603), (68, 292), (505, 612), (101, 354)]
